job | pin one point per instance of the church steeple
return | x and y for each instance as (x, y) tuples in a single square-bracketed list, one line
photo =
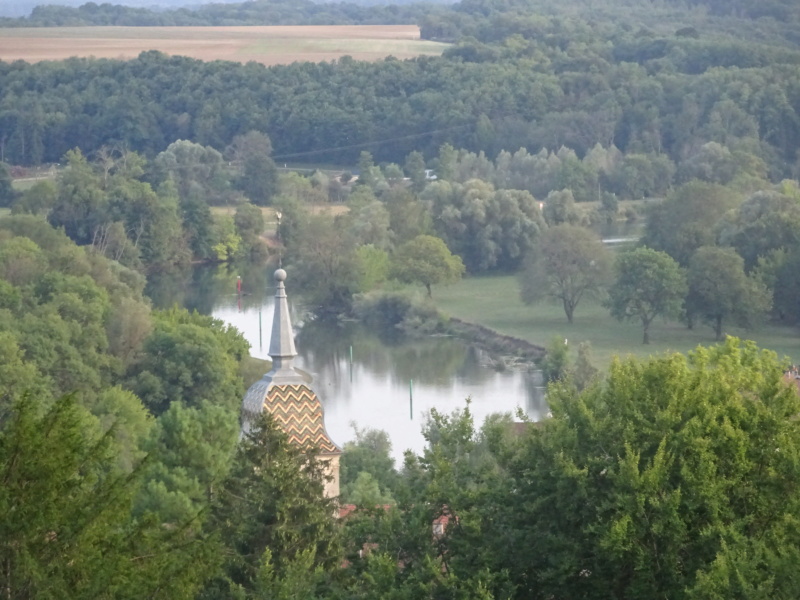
[(284, 393), (281, 344)]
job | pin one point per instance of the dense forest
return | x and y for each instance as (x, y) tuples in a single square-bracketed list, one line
[(123, 475), (652, 80), (257, 12), (471, 13), (31, 13)]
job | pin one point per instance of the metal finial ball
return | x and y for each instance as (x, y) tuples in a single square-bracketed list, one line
[(280, 275)]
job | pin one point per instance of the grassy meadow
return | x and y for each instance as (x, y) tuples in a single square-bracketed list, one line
[(494, 302)]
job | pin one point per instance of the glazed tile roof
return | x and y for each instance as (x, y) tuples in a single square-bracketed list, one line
[(298, 411)]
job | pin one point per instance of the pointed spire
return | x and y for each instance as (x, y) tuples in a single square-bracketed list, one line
[(281, 344), (285, 393)]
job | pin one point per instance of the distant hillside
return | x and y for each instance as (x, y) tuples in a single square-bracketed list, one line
[(33, 13), (649, 78), (23, 8)]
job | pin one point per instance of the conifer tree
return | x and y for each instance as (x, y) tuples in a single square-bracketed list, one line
[(272, 514), (65, 524)]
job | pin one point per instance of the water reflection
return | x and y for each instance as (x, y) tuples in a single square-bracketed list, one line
[(373, 390), (432, 361), (202, 288)]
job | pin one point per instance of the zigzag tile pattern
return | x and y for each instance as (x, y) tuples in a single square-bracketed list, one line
[(298, 411)]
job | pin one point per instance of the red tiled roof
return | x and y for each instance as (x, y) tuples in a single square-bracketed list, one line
[(345, 510)]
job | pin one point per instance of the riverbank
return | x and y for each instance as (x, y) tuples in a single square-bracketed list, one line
[(493, 303), (506, 351)]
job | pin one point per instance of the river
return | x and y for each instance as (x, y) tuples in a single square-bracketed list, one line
[(391, 383)]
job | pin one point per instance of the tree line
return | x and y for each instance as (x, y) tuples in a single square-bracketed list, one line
[(255, 12), (566, 80), (149, 215), (401, 224), (437, 19), (709, 253), (722, 255)]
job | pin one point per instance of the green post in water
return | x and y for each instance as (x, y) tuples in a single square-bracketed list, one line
[(411, 399), (351, 363)]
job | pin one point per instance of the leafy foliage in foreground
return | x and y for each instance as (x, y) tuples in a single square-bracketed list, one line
[(665, 479), (66, 529), (670, 478), (272, 517)]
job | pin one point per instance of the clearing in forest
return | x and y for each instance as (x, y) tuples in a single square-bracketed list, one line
[(267, 45)]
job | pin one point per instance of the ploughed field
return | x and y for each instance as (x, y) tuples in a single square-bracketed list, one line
[(267, 45)]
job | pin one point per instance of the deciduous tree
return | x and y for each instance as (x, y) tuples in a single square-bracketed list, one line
[(190, 358), (197, 170), (38, 200), (81, 204), (249, 222), (766, 221), (674, 478), (559, 208), (369, 453), (373, 267), (487, 228), (426, 260), (567, 264), (648, 284), (415, 169), (7, 193), (720, 291), (259, 179), (327, 265), (555, 365), (685, 220)]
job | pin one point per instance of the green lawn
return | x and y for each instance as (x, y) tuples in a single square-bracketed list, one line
[(494, 302)]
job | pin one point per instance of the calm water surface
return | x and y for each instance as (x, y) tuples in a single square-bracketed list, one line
[(373, 391)]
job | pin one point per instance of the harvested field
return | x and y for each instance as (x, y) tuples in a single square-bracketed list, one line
[(266, 45)]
